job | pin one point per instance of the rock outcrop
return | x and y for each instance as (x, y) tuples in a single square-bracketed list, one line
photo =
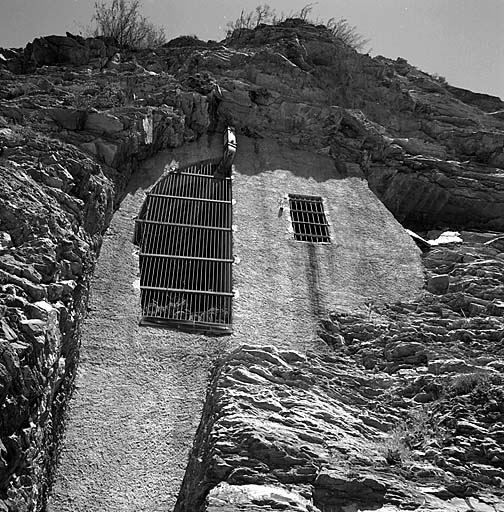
[(403, 409), (405, 412), (63, 169)]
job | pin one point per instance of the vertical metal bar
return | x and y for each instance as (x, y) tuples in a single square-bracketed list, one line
[(181, 215), (297, 214), (143, 297), (149, 263), (146, 263), (214, 273), (215, 240), (226, 306), (311, 219), (163, 305), (155, 210), (307, 205), (309, 216), (302, 218), (193, 270), (163, 230), (151, 276), (318, 220), (146, 300), (205, 305)]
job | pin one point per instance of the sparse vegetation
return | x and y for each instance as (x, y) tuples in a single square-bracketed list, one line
[(439, 78), (465, 383), (408, 435), (340, 28), (478, 388), (394, 448), (261, 14), (122, 21)]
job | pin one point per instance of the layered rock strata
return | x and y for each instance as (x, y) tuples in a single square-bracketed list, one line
[(63, 170), (431, 152), (74, 125), (403, 411)]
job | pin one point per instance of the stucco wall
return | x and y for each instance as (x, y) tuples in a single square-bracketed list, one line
[(151, 381), (283, 286)]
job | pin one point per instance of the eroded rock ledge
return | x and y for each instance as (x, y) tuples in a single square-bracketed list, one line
[(57, 197)]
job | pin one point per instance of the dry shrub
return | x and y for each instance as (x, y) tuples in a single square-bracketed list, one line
[(339, 28), (408, 435), (122, 21)]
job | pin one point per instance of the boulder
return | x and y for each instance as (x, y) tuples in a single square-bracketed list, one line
[(254, 498), (103, 150), (5, 241), (440, 366), (68, 118), (102, 123), (334, 487), (55, 50), (438, 284)]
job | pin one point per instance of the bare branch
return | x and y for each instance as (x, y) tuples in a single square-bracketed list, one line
[(122, 21)]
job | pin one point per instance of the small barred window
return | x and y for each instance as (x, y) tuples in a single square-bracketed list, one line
[(308, 218)]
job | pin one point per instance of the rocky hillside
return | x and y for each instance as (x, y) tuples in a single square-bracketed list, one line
[(402, 407), (404, 410)]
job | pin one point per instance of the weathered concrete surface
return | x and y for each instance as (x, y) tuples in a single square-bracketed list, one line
[(286, 286), (137, 399)]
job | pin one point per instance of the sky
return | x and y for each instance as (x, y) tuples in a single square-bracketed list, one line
[(461, 40)]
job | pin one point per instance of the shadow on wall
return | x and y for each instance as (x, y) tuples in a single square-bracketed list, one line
[(313, 280), (205, 148), (255, 156)]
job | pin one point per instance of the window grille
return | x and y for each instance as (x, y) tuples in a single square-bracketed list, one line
[(184, 232), (308, 218)]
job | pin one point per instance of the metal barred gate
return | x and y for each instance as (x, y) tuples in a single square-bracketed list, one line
[(184, 232)]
